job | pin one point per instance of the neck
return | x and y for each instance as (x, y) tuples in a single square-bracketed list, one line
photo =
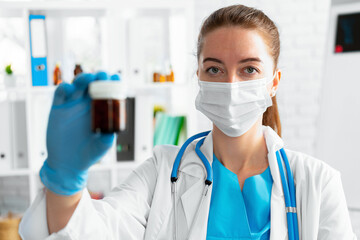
[(246, 152)]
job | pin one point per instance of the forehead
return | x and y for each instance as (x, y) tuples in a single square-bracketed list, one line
[(234, 43)]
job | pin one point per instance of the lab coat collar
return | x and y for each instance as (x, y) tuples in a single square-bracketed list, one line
[(278, 215), (273, 143)]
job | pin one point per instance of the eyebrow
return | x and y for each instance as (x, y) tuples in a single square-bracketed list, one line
[(241, 61)]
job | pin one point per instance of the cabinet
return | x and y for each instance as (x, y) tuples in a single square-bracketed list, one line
[(134, 37)]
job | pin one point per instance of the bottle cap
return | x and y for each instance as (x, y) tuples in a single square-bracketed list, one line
[(107, 89)]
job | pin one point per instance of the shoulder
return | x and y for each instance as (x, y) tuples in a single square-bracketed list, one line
[(310, 170), (165, 154), (163, 158), (160, 162), (320, 198)]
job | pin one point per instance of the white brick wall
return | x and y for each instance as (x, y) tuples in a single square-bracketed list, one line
[(303, 27)]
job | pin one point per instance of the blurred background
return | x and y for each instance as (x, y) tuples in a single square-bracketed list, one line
[(151, 45)]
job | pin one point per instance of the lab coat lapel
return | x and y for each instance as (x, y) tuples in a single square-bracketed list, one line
[(278, 229), (190, 199), (191, 203)]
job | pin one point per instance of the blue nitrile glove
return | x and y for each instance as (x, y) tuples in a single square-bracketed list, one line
[(72, 146)]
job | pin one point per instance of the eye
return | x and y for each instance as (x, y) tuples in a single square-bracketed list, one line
[(250, 70), (213, 70)]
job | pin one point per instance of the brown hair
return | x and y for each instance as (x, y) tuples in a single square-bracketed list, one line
[(250, 18)]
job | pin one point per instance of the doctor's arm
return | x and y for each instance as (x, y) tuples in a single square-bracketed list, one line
[(121, 215), (72, 149), (59, 209), (334, 220)]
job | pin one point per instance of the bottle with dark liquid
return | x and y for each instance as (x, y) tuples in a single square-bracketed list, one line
[(108, 108), (77, 70)]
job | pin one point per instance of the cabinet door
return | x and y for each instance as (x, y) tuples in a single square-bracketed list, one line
[(143, 126), (39, 114), (5, 136), (19, 134)]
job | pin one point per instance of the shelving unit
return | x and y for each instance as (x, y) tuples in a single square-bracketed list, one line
[(26, 107), (15, 172)]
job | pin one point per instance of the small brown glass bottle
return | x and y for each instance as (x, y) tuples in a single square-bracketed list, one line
[(108, 108), (77, 70), (57, 74)]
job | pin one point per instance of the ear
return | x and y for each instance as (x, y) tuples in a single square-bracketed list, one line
[(197, 72), (277, 78), (276, 82)]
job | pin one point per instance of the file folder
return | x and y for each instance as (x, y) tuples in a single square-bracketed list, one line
[(38, 50)]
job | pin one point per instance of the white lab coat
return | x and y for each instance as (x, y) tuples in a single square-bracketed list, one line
[(142, 206)]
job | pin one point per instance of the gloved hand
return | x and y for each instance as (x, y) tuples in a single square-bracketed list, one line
[(72, 146)]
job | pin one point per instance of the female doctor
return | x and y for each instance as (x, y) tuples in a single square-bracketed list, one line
[(233, 189)]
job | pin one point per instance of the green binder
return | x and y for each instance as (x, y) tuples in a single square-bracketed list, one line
[(168, 128)]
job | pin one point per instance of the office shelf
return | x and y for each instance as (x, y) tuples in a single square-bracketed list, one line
[(15, 172), (42, 89), (160, 86), (29, 106), (114, 166)]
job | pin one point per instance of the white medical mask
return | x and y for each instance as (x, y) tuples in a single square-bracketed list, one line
[(234, 107)]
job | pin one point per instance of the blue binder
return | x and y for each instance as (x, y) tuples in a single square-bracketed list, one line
[(38, 50)]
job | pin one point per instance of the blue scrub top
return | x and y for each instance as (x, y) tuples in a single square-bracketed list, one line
[(236, 214)]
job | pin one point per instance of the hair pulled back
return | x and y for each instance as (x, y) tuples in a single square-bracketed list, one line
[(248, 18)]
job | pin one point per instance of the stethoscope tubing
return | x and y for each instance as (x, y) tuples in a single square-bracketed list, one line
[(176, 165), (292, 191), (289, 217), (289, 195), (209, 175)]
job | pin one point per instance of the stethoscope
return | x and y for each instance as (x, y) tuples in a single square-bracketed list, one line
[(287, 184)]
